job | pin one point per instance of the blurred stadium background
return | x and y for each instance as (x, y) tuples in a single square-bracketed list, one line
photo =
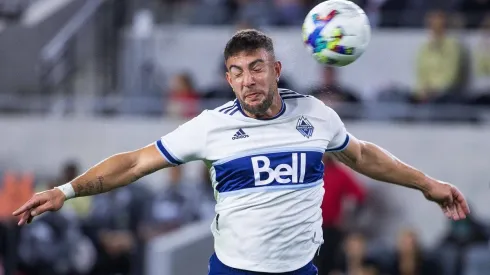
[(83, 79)]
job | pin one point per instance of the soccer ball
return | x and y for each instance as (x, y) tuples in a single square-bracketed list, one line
[(336, 32)]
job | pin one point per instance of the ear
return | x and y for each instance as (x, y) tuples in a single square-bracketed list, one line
[(228, 78), (278, 69)]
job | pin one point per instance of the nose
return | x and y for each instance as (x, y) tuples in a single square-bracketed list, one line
[(248, 79)]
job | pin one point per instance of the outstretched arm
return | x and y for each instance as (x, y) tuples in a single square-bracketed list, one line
[(116, 171), (377, 163), (119, 170)]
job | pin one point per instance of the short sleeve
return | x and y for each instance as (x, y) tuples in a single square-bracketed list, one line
[(340, 136), (186, 143)]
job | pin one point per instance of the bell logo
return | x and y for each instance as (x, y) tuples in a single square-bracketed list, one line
[(282, 173)]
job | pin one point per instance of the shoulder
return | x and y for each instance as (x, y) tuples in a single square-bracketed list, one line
[(197, 124), (227, 109), (287, 94), (305, 102)]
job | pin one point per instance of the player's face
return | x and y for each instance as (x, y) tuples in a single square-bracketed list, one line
[(253, 77)]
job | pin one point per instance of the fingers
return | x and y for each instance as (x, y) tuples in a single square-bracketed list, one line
[(461, 213), (446, 211), (451, 212), (34, 207), (26, 217), (29, 214), (454, 212), (459, 206), (24, 211), (460, 200), (40, 209), (27, 206)]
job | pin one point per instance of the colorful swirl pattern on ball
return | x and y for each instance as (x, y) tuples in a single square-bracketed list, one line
[(319, 43)]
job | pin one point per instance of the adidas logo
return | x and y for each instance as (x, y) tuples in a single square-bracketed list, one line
[(239, 134)]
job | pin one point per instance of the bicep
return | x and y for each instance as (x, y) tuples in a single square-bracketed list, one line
[(148, 160), (351, 154)]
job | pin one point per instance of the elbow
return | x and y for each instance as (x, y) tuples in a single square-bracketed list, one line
[(372, 158), (362, 157), (133, 170), (137, 171)]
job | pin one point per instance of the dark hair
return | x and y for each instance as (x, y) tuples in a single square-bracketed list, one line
[(248, 40), (186, 77)]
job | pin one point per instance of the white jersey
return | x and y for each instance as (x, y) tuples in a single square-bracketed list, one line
[(268, 178)]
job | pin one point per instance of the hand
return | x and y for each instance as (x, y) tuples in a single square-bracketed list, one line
[(449, 198), (51, 200)]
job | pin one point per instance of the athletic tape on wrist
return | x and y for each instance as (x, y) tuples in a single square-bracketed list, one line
[(67, 189)]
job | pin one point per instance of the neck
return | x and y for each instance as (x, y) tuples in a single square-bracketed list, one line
[(273, 110), (407, 254), (438, 36)]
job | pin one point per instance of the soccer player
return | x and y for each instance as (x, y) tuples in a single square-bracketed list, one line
[(264, 151)]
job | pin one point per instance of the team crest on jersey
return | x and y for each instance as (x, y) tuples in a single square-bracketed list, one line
[(305, 127)]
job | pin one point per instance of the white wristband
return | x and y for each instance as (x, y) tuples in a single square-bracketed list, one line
[(68, 190)]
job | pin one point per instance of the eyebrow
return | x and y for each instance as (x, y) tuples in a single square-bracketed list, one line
[(253, 63)]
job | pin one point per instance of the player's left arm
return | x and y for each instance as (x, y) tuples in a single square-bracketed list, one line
[(377, 163)]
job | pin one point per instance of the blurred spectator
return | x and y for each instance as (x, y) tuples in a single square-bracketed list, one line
[(354, 259), (14, 188), (462, 235), (183, 100), (384, 13), (112, 225), (391, 10), (213, 12), (81, 205), (331, 90), (474, 12), (410, 258), (70, 251), (439, 63), (290, 12), (339, 186), (482, 53), (373, 10), (258, 13), (482, 71), (171, 208)]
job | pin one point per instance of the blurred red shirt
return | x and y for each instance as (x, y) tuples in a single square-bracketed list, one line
[(339, 184), (184, 104)]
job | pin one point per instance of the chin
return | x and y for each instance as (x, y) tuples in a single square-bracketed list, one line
[(255, 104)]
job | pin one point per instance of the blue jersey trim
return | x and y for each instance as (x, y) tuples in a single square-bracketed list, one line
[(167, 154), (228, 107), (288, 93), (234, 111), (293, 96), (341, 147), (270, 189), (269, 151)]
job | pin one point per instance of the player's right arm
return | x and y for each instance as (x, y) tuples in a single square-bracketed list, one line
[(184, 144), (114, 172)]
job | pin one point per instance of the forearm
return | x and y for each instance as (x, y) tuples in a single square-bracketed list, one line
[(381, 165), (115, 171)]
